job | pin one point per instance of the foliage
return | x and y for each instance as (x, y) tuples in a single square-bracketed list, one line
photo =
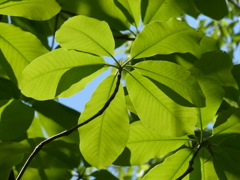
[(149, 118)]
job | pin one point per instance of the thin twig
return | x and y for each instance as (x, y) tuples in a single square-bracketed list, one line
[(191, 162), (69, 131), (125, 37), (234, 3)]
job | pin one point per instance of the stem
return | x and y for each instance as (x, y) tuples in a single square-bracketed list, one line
[(234, 3), (69, 131), (191, 162), (70, 13), (201, 126), (124, 37)]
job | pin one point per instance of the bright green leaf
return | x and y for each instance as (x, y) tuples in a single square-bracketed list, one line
[(145, 143), (215, 9), (104, 138), (131, 9), (230, 125), (168, 37), (56, 72), (15, 120), (175, 77), (80, 33), (39, 10), (19, 48), (11, 153), (214, 96), (158, 111), (162, 10), (172, 167), (99, 9)]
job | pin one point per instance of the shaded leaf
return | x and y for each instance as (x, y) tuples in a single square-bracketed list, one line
[(104, 138), (80, 33), (206, 7), (168, 37), (42, 78), (15, 120), (103, 174), (158, 111), (11, 153), (172, 167), (8, 89), (145, 143), (19, 48), (31, 9), (100, 9), (175, 77)]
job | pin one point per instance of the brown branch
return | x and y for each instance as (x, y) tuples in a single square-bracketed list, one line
[(234, 3), (69, 131), (191, 162)]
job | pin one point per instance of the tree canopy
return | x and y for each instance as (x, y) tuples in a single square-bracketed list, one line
[(168, 108)]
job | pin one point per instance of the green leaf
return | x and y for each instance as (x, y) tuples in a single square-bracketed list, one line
[(158, 111), (228, 126), (131, 10), (168, 37), (236, 74), (162, 10), (8, 89), (217, 65), (59, 72), (80, 33), (99, 9), (215, 9), (19, 48), (145, 143), (11, 153), (15, 120), (104, 138), (214, 96), (39, 10), (172, 167), (103, 175), (175, 77)]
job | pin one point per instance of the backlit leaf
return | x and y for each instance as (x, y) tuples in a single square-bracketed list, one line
[(175, 77), (56, 72), (168, 37), (158, 111), (145, 143), (172, 167), (31, 9), (19, 48), (80, 33), (104, 138)]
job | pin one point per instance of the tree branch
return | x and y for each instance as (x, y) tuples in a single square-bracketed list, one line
[(234, 3), (124, 37), (69, 131), (191, 162)]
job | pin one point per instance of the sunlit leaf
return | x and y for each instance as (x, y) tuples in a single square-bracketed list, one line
[(228, 126), (19, 48), (168, 37), (162, 10), (131, 9), (56, 72), (145, 143), (104, 138), (11, 153), (158, 111), (80, 33), (172, 167), (15, 120), (31, 9), (175, 77)]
